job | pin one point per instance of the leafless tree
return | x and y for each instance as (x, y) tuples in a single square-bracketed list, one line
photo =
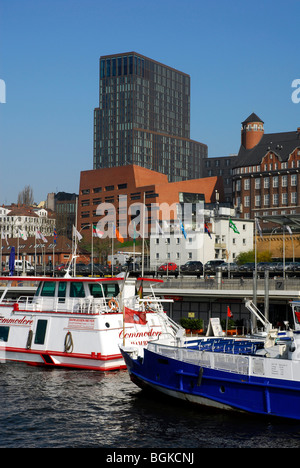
[(26, 196)]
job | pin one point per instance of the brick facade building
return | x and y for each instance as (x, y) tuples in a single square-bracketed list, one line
[(101, 186), (266, 174)]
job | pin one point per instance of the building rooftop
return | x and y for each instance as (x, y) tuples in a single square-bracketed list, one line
[(282, 144)]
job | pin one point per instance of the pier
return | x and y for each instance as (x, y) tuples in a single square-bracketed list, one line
[(203, 299)]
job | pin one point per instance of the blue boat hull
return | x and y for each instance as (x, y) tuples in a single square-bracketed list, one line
[(215, 388)]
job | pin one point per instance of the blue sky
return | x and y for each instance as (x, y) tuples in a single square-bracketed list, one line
[(242, 58)]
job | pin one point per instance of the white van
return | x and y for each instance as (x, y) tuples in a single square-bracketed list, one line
[(29, 269)]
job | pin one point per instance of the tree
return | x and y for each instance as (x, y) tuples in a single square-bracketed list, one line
[(25, 197), (249, 257)]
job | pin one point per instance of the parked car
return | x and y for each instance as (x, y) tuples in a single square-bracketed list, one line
[(192, 267), (97, 269), (232, 267), (60, 269), (170, 268), (262, 266), (211, 266), (247, 268)]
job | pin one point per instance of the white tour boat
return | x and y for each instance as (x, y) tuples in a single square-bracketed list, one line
[(79, 322)]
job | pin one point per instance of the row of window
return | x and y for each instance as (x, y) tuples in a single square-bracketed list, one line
[(275, 199), (267, 182), (268, 167)]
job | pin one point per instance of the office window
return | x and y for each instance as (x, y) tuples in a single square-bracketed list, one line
[(267, 200), (247, 184), (284, 199)]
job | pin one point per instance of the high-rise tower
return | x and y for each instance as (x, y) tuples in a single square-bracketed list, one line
[(143, 118)]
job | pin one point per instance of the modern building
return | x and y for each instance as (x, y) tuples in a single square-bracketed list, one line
[(101, 189), (64, 205), (266, 173), (143, 118), (221, 167)]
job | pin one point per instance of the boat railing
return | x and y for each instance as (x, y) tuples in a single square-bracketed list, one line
[(227, 362), (86, 305)]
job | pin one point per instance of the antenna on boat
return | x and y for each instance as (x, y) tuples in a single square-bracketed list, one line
[(73, 259)]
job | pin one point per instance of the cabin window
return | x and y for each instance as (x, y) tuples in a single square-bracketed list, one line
[(4, 331), (96, 290), (111, 289), (48, 289), (62, 286), (40, 332), (77, 290)]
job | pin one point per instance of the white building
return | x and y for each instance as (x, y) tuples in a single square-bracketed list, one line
[(27, 219), (222, 243)]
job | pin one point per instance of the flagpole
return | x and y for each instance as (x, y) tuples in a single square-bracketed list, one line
[(143, 240), (35, 254), (112, 250), (92, 269)]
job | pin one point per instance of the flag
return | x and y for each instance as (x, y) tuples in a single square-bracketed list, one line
[(207, 230), (118, 235), (159, 229), (4, 237), (297, 314), (133, 316), (183, 230), (233, 226), (76, 233), (97, 232), (258, 227), (229, 313), (39, 235), (22, 234), (55, 236)]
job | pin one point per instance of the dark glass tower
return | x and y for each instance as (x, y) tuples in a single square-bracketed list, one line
[(143, 118)]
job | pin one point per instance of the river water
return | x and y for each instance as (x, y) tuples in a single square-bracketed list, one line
[(85, 409)]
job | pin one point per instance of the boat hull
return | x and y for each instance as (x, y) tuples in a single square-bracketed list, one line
[(215, 388)]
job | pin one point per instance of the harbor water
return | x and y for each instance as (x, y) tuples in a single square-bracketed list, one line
[(58, 408)]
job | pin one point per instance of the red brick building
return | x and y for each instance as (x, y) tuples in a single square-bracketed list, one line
[(266, 173), (137, 184)]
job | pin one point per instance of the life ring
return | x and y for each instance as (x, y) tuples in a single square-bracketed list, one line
[(69, 345), (113, 304)]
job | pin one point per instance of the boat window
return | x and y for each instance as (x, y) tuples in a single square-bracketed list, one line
[(77, 290), (48, 289), (38, 289), (4, 331), (96, 290), (111, 289), (40, 332), (62, 286)]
